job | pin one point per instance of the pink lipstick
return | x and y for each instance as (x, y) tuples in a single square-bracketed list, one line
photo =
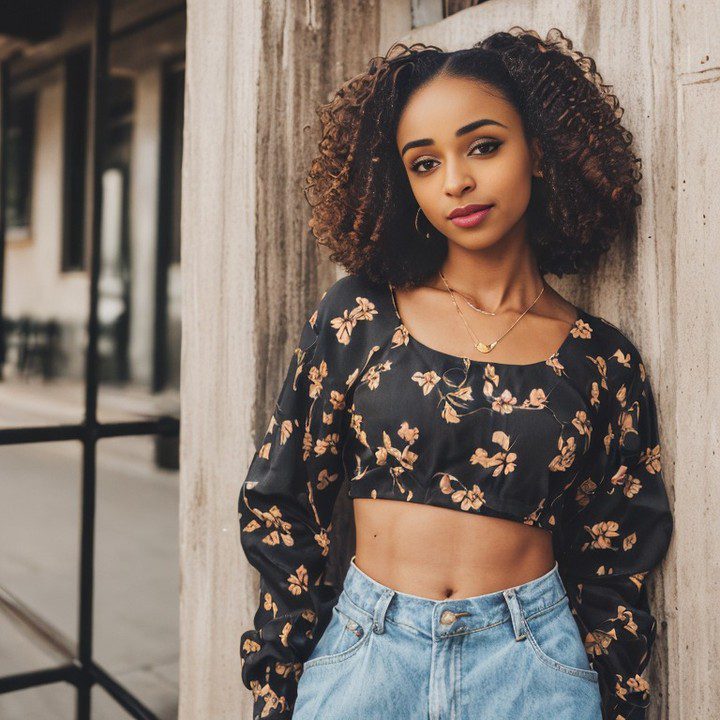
[(470, 215)]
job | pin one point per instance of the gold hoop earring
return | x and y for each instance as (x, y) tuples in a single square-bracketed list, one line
[(427, 234)]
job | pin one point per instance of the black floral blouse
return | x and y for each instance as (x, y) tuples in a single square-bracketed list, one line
[(569, 444)]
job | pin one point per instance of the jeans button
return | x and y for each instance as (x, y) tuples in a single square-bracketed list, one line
[(447, 618)]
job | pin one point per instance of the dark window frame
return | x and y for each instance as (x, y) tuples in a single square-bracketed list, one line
[(75, 157), (20, 161), (168, 249)]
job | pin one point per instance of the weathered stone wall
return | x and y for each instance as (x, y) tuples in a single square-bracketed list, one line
[(256, 69), (251, 273)]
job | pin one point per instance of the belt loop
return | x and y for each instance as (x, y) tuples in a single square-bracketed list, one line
[(380, 609), (516, 613)]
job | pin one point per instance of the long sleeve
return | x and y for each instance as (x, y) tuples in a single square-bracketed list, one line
[(285, 508), (617, 526)]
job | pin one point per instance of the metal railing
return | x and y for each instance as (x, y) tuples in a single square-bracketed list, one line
[(79, 667)]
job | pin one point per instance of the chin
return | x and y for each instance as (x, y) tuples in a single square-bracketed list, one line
[(475, 243)]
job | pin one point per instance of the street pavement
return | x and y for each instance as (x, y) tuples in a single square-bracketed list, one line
[(136, 553)]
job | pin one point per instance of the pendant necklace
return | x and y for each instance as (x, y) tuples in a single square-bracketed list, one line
[(479, 345)]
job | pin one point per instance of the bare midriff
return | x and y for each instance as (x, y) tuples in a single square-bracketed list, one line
[(441, 553)]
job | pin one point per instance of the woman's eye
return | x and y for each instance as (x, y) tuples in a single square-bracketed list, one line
[(418, 163), (487, 147), (490, 144)]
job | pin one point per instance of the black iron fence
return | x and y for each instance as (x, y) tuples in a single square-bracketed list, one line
[(80, 670)]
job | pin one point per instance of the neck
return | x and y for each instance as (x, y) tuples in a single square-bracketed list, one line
[(504, 277)]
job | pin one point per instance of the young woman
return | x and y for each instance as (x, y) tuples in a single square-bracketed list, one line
[(518, 430)]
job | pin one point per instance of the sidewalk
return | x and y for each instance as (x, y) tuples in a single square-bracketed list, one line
[(136, 554), (61, 401)]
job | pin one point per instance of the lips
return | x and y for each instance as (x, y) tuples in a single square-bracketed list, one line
[(466, 210)]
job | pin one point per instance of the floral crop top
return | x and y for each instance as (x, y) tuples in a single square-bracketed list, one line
[(569, 444)]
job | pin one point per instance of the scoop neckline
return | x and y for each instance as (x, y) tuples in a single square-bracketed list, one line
[(566, 341)]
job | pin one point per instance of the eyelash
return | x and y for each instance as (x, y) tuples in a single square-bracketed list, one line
[(417, 163)]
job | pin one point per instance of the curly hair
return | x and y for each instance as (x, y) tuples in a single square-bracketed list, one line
[(363, 208)]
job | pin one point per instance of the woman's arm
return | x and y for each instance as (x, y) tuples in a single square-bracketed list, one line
[(286, 504), (617, 528)]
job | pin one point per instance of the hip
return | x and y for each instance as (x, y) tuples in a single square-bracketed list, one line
[(513, 652)]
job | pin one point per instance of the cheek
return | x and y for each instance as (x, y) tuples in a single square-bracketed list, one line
[(513, 188), (426, 196), (509, 185)]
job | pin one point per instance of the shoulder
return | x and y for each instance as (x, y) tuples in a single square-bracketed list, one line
[(353, 301), (354, 313), (623, 359), (350, 290)]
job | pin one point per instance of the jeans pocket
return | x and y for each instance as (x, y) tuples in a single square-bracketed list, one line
[(555, 639), (348, 630)]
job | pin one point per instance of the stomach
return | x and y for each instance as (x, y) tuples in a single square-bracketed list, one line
[(439, 553)]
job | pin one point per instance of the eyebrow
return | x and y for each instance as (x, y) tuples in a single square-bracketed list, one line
[(458, 133)]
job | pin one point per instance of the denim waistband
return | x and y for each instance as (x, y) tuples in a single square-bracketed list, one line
[(445, 618)]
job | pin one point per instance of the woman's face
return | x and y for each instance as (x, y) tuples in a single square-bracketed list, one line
[(451, 164)]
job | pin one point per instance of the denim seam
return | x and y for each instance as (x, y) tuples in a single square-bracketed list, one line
[(460, 695), (509, 618), (343, 654), (582, 673), (337, 657), (475, 630), (585, 674), (355, 605), (544, 610), (459, 632), (417, 631), (346, 616)]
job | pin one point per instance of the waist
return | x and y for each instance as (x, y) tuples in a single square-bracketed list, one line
[(439, 554), (468, 614)]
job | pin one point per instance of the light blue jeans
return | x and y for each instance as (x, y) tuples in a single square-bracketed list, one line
[(515, 653)]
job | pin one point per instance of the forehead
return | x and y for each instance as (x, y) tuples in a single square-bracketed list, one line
[(445, 104)]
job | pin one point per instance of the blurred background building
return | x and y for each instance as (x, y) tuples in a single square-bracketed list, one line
[(88, 486), (47, 233)]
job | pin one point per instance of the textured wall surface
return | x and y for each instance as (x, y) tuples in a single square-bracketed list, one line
[(218, 359), (660, 287), (252, 274), (694, 689)]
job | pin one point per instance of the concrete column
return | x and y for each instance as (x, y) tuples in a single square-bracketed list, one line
[(218, 364), (144, 221), (693, 217), (256, 70)]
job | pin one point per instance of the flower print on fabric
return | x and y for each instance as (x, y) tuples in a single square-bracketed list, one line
[(569, 444)]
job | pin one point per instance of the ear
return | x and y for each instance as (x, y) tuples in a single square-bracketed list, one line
[(536, 154)]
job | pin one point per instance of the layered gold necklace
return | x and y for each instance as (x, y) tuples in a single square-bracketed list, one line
[(479, 345)]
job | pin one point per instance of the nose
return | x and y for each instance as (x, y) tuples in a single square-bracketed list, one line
[(457, 179)]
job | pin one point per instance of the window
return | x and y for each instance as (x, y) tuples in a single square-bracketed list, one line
[(77, 77), (20, 139), (450, 7), (166, 369)]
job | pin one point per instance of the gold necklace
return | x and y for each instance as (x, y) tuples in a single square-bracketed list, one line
[(475, 307), (464, 297), (479, 345), (472, 305)]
